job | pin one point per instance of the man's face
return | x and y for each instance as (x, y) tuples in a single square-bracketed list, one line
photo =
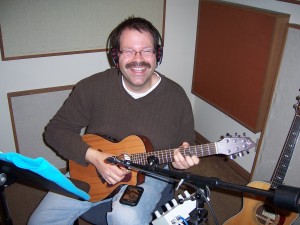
[(137, 67)]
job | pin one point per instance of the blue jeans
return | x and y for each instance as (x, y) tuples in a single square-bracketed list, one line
[(57, 209)]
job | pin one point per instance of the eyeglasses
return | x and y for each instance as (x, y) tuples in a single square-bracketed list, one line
[(130, 53)]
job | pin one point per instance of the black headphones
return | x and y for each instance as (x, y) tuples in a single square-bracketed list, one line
[(113, 40)]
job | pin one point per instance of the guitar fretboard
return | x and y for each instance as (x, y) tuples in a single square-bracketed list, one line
[(286, 155), (166, 156)]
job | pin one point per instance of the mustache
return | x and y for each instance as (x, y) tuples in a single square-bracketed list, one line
[(136, 64)]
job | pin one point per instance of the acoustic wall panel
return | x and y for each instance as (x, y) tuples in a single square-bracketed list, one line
[(44, 28), (30, 112)]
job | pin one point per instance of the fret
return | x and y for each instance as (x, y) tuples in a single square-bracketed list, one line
[(166, 156), (287, 152)]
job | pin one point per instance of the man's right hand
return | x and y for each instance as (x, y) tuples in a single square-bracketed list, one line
[(111, 173)]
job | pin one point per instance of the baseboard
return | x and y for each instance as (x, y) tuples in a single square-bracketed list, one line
[(234, 165)]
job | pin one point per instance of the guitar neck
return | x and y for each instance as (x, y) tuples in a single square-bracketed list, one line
[(286, 154), (166, 156)]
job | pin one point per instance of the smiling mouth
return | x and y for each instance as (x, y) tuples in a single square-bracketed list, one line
[(138, 69)]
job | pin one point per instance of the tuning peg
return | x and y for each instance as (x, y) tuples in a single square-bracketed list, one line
[(240, 154), (295, 106), (244, 134), (237, 135), (232, 156)]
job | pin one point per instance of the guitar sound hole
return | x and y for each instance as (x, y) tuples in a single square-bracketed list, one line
[(267, 215)]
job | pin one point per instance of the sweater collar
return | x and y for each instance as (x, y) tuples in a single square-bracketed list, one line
[(140, 95)]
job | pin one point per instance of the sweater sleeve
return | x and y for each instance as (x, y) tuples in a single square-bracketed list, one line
[(186, 133), (63, 131)]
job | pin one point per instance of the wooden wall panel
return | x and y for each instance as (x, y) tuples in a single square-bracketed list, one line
[(237, 58)]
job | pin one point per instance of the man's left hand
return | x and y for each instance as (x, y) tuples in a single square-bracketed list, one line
[(181, 162)]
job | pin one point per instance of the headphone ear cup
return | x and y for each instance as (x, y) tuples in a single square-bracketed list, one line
[(159, 54), (114, 56)]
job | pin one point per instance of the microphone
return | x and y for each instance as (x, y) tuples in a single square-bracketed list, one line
[(115, 160), (112, 160), (287, 197)]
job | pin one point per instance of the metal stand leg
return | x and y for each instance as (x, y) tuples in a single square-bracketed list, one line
[(199, 214)]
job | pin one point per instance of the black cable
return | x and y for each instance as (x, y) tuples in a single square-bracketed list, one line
[(199, 190)]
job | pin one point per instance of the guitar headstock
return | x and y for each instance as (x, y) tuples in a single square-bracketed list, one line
[(234, 146)]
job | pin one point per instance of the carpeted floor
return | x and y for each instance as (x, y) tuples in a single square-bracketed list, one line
[(22, 199)]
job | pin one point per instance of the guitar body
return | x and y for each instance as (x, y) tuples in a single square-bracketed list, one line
[(99, 189), (256, 212)]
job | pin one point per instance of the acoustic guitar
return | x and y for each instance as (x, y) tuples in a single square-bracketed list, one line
[(256, 211), (139, 149)]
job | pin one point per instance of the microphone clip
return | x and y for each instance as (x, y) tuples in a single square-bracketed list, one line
[(117, 161)]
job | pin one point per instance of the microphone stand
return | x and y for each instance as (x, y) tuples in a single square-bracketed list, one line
[(199, 215), (285, 197)]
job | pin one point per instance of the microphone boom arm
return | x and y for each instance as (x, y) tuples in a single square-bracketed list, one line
[(286, 197)]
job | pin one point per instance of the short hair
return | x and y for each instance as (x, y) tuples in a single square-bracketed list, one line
[(136, 23)]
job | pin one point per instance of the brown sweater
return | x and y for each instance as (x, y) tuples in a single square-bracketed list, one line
[(101, 104)]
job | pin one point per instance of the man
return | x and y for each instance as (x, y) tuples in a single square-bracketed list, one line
[(131, 99)]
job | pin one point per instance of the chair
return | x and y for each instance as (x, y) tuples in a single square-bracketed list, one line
[(97, 215)]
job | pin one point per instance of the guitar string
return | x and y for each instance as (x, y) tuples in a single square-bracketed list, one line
[(165, 156), (285, 157)]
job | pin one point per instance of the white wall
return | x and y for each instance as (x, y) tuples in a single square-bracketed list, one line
[(26, 74), (37, 73), (180, 36)]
